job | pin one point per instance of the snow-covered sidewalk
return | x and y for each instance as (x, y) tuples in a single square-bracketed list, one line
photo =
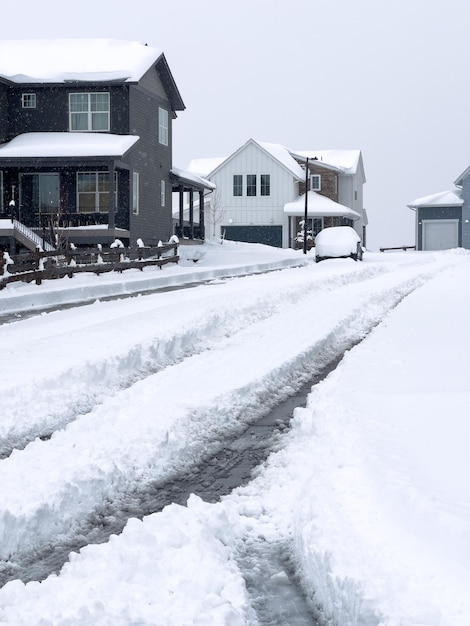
[(369, 495)]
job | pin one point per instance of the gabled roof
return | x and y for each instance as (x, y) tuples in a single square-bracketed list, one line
[(441, 199), (62, 61), (276, 151), (319, 206), (57, 145)]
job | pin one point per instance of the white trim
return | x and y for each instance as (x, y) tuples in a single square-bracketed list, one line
[(318, 178), (163, 126), (89, 112), (28, 100), (162, 193), (135, 193)]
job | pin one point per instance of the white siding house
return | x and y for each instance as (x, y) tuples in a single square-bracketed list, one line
[(260, 192)]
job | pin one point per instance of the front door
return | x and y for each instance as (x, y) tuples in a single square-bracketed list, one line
[(39, 195)]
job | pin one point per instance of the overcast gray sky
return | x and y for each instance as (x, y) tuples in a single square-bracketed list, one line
[(388, 78)]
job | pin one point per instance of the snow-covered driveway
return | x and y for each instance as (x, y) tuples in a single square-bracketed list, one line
[(139, 389)]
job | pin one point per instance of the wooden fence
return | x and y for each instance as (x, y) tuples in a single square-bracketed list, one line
[(38, 266), (405, 248)]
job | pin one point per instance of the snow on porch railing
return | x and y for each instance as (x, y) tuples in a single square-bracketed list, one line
[(43, 265)]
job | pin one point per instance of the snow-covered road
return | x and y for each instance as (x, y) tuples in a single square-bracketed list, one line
[(98, 398)]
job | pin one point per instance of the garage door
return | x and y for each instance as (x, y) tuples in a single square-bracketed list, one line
[(269, 235), (440, 234)]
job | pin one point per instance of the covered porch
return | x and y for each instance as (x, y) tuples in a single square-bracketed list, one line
[(188, 216)]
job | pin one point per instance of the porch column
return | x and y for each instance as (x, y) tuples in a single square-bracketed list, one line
[(191, 213), (181, 209), (201, 213), (112, 205)]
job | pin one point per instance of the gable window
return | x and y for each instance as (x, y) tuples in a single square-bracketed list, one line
[(162, 193), (162, 126), (315, 182), (237, 185), (89, 111), (135, 193), (28, 100), (93, 192), (265, 184), (251, 185)]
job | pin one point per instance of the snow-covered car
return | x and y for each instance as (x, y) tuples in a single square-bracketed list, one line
[(338, 242)]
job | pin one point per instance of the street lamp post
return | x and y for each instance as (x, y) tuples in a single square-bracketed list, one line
[(306, 207)]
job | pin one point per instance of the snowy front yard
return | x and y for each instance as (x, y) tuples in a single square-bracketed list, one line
[(368, 495)]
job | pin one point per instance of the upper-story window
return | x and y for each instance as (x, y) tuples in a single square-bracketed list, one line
[(89, 111), (28, 100), (315, 182), (162, 126), (251, 185), (265, 184), (237, 185)]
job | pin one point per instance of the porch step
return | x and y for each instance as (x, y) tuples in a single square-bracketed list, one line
[(29, 238)]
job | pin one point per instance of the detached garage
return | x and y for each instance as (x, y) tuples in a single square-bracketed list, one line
[(439, 220)]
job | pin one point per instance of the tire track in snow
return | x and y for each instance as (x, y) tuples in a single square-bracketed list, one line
[(58, 399), (126, 440)]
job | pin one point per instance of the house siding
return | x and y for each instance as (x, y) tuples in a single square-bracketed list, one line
[(153, 162), (52, 111), (466, 213), (254, 210), (3, 113)]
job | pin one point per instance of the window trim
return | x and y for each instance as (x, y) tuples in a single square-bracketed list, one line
[(135, 193), (251, 185), (265, 185), (318, 178), (89, 112), (97, 192), (163, 126), (237, 185), (162, 193), (28, 100)]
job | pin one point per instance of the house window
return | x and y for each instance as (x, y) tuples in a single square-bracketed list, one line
[(265, 184), (251, 185), (237, 185), (162, 126), (315, 182), (28, 100), (162, 193), (135, 193), (93, 192), (89, 111)]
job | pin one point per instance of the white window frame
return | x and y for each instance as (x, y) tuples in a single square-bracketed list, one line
[(162, 193), (97, 191), (89, 112), (315, 186), (135, 193), (237, 185), (251, 184), (163, 126), (28, 100), (265, 185)]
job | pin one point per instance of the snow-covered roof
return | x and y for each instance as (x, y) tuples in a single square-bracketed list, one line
[(283, 155), (203, 167), (191, 177), (345, 160), (319, 206), (443, 198), (50, 145), (64, 60)]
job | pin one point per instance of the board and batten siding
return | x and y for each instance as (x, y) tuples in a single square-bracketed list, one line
[(255, 210)]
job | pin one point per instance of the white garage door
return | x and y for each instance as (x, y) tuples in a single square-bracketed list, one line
[(440, 234)]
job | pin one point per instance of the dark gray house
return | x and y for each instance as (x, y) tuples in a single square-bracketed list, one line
[(86, 140), (443, 219)]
